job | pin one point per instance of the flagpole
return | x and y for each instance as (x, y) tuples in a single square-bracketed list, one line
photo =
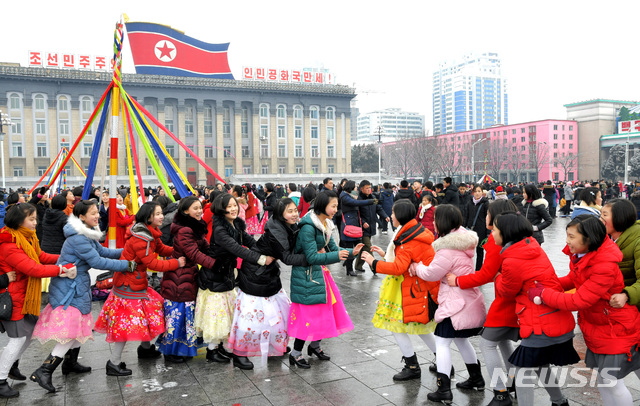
[(115, 122)]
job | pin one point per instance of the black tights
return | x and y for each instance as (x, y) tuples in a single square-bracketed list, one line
[(298, 344)]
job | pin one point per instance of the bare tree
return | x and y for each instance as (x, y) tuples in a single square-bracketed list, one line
[(517, 164), (567, 162), (538, 157), (398, 158), (497, 153), (450, 155), (423, 151)]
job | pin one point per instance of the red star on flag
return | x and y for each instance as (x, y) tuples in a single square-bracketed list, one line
[(165, 50)]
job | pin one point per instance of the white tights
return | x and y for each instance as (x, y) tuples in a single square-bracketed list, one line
[(443, 353), (616, 392), (404, 342), (12, 352), (61, 349)]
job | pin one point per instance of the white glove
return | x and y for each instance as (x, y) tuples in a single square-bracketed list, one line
[(68, 272)]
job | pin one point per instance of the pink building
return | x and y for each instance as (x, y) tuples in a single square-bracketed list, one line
[(530, 152)]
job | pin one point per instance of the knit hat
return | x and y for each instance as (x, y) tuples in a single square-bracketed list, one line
[(499, 189)]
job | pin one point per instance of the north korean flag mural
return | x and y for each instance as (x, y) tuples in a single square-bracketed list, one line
[(160, 50)]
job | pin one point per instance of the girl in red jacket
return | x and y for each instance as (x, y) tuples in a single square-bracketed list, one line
[(134, 311), (501, 327), (547, 334), (123, 220), (24, 262), (612, 335), (425, 213)]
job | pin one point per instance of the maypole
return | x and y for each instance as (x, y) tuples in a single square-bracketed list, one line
[(115, 122)]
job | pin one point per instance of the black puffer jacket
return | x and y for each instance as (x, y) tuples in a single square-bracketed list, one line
[(278, 241), (538, 215), (406, 194), (226, 246), (169, 213), (451, 196), (53, 222), (368, 215), (191, 243), (469, 216), (270, 204)]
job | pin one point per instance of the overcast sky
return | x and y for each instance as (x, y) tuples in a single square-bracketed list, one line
[(553, 52)]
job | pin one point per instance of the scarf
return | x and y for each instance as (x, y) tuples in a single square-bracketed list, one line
[(27, 241), (390, 254), (121, 206), (476, 201), (423, 209)]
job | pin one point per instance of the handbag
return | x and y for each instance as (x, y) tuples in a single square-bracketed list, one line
[(6, 305), (352, 231), (104, 280)]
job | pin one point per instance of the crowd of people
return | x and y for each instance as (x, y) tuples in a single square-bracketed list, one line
[(203, 271)]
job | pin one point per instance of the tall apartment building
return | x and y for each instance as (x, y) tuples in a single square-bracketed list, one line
[(394, 123), (469, 93)]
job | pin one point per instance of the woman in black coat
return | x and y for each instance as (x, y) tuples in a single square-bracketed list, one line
[(270, 200), (535, 209), (260, 289), (216, 300), (475, 219), (351, 217), (53, 222)]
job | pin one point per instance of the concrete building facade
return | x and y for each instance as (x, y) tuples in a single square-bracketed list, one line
[(237, 127), (392, 123)]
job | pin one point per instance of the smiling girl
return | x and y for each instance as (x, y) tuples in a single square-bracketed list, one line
[(134, 311)]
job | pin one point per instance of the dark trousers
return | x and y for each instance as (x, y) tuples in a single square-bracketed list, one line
[(366, 240), (479, 257), (349, 244), (567, 207)]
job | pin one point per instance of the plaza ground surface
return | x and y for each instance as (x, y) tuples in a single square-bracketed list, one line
[(360, 371)]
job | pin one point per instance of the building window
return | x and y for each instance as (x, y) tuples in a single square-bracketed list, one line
[(150, 170), (298, 169), (313, 112), (281, 111), (63, 127), (314, 132), (523, 139), (16, 125), (522, 130), (570, 136), (331, 135), (314, 168), (226, 151), (41, 149), (570, 146), (245, 151), (555, 146), (331, 151), (87, 109), (87, 149), (226, 123), (208, 152), (281, 169), (298, 132), (265, 169), (281, 151), (16, 149), (264, 151), (555, 127), (63, 104), (39, 101), (41, 170), (15, 102), (18, 171), (522, 148), (264, 132), (66, 145), (513, 131), (244, 122), (315, 151), (228, 171), (208, 121), (555, 136), (298, 151), (41, 126), (562, 137), (188, 121), (264, 110), (168, 118), (281, 133), (331, 112), (297, 113), (171, 149), (570, 128), (330, 168), (246, 169)]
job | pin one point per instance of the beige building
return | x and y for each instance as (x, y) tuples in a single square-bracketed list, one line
[(237, 127), (595, 118)]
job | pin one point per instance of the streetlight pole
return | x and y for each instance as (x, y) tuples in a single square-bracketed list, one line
[(379, 131), (473, 159), (4, 120), (626, 161)]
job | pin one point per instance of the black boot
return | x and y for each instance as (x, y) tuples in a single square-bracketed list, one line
[(146, 353), (443, 394), (500, 398), (43, 374), (117, 370), (411, 369), (434, 368), (564, 403), (350, 271), (7, 391), (215, 356), (71, 364), (242, 362), (475, 381), (223, 352), (15, 374)]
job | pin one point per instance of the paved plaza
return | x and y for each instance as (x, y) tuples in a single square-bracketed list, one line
[(360, 371)]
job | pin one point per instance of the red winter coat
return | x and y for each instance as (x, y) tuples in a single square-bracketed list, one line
[(207, 216), (143, 246), (596, 277), (427, 218), (524, 263), (502, 312), (303, 207), (251, 210), (188, 241), (13, 258), (415, 303), (123, 220)]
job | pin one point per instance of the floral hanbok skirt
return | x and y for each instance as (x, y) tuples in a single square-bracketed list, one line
[(179, 337), (63, 325), (214, 314)]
